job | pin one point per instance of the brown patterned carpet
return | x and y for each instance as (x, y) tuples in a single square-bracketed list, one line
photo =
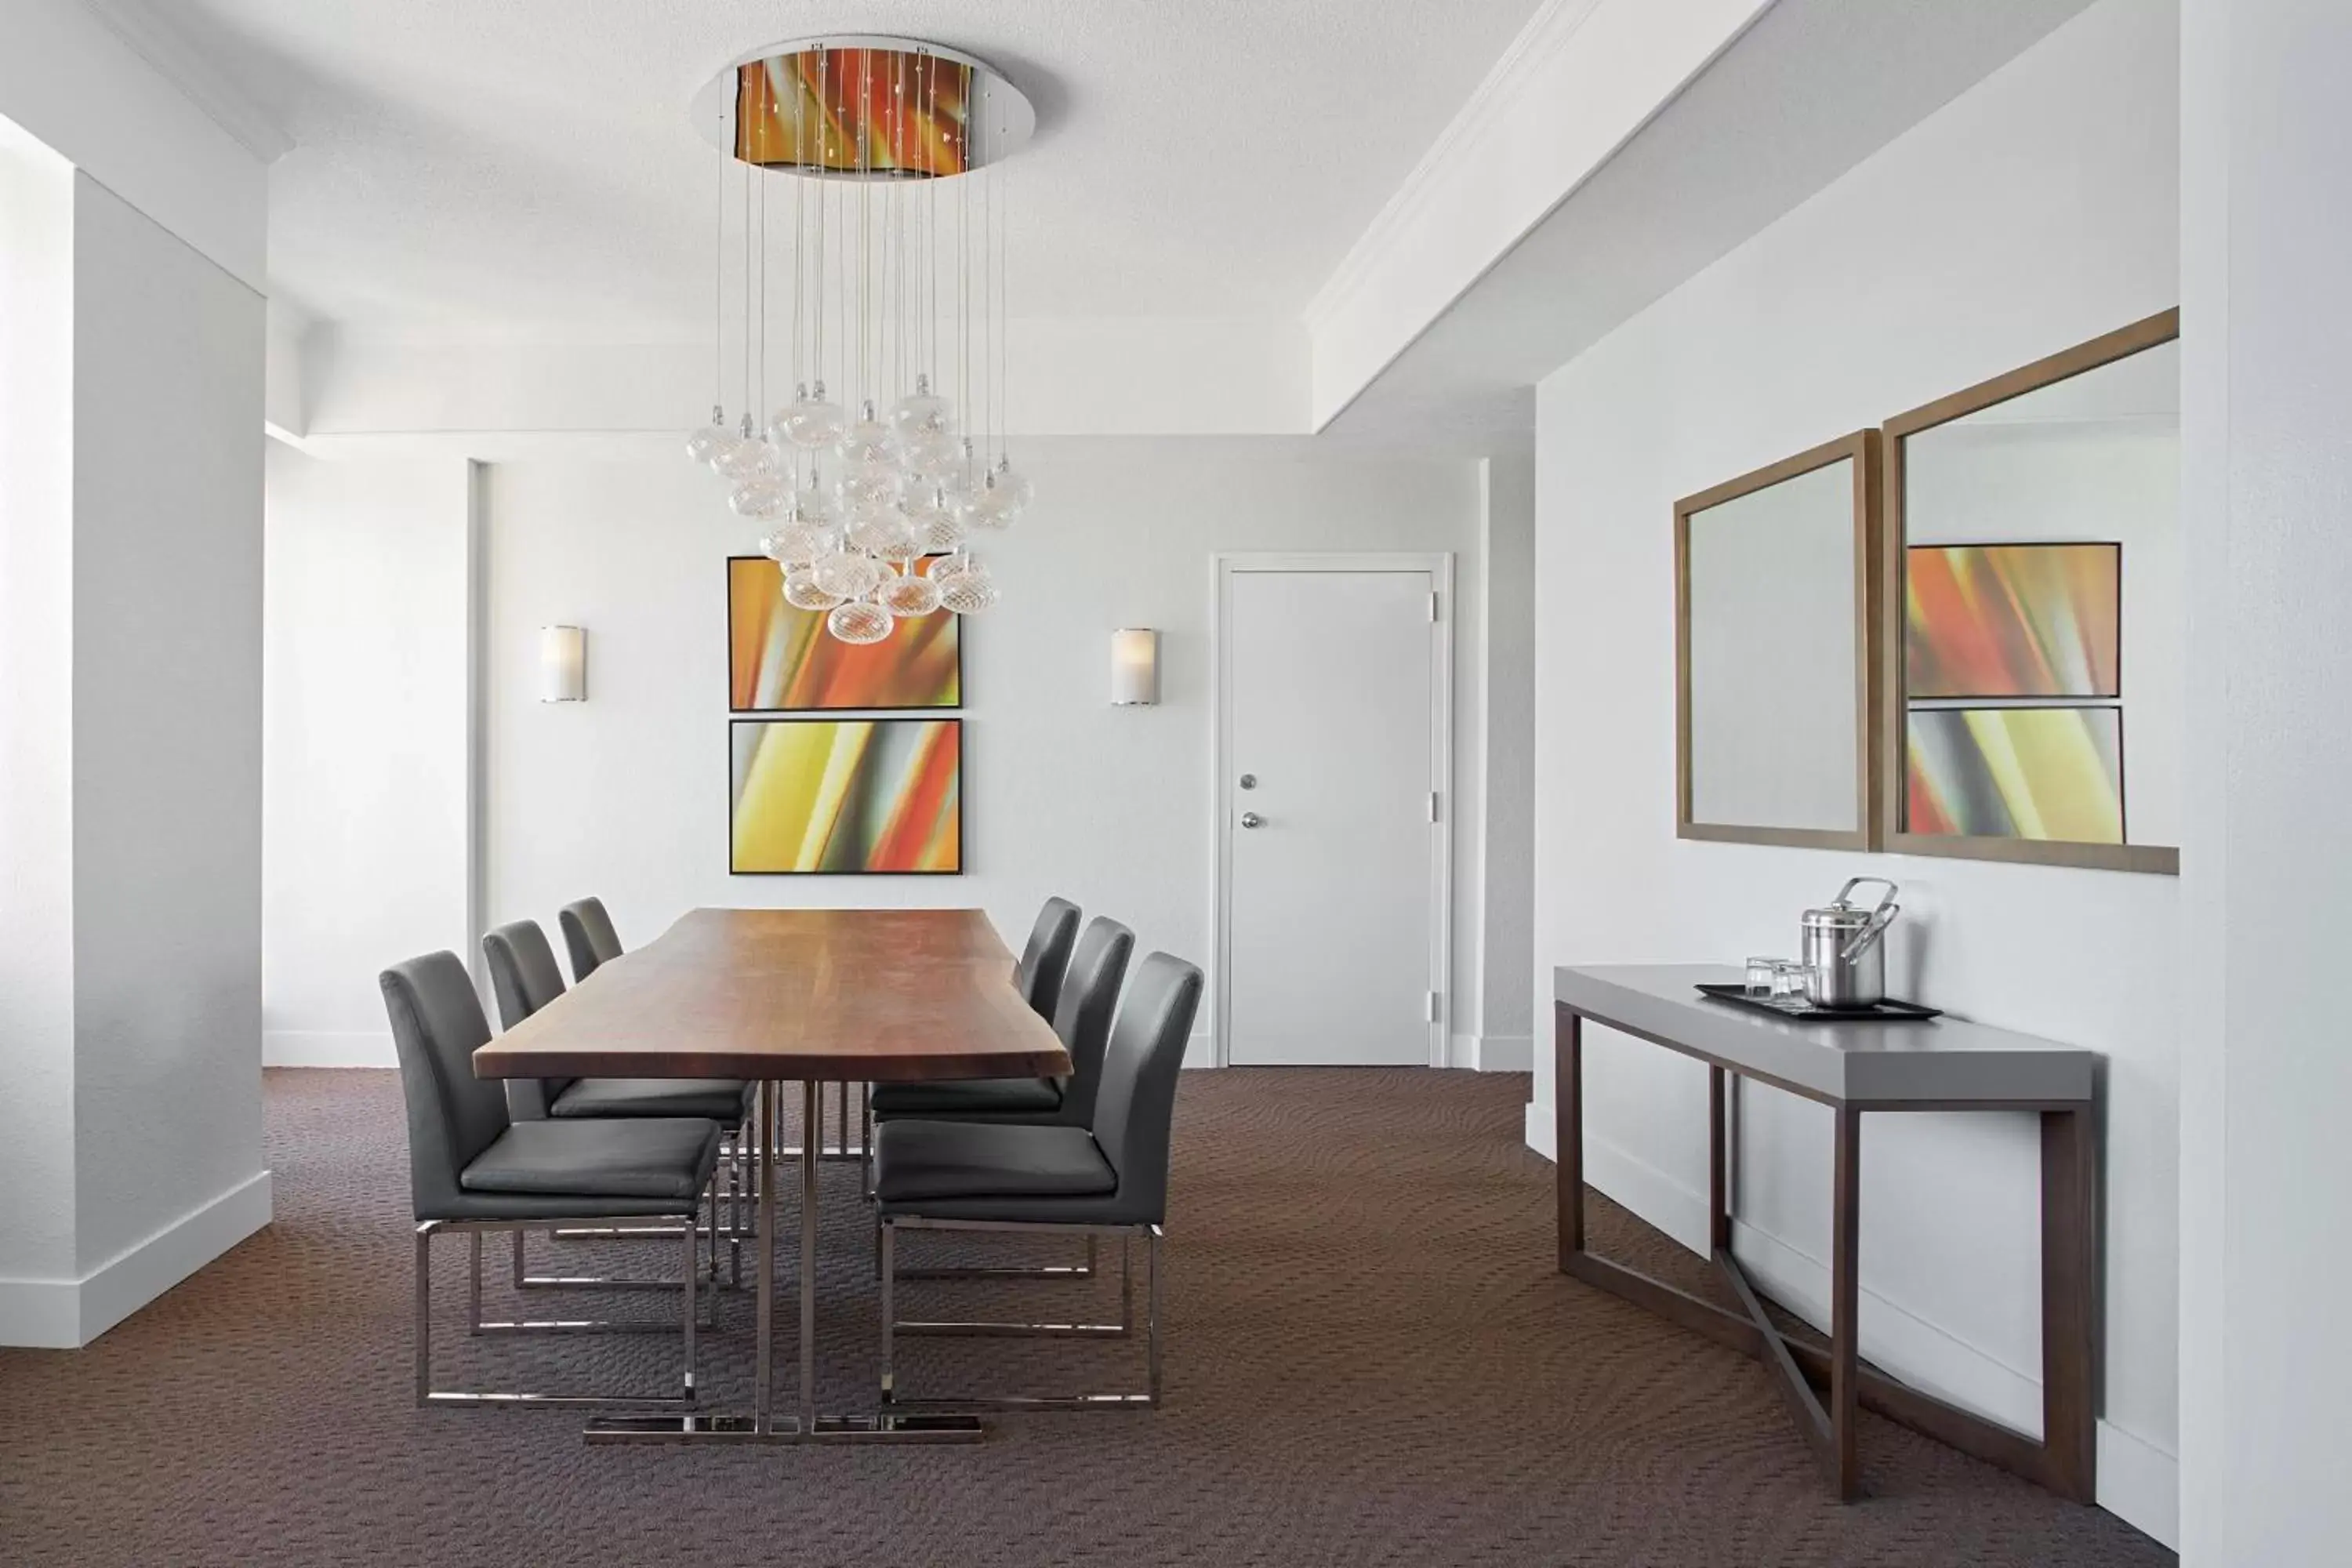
[(1371, 1361)]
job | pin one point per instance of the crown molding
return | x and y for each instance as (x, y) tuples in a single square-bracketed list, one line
[(166, 46), (1528, 60)]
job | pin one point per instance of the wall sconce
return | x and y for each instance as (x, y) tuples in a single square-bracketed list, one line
[(562, 664), (1134, 667)]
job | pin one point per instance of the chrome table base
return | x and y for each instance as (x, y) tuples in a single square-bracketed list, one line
[(765, 1423), (787, 1429)]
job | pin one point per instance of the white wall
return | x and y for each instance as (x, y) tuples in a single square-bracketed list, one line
[(36, 1014), (626, 795), (2266, 1167), (2036, 211), (134, 748), (365, 743), (1505, 742), (166, 741)]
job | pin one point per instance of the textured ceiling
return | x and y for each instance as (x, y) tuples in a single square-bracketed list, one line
[(524, 169)]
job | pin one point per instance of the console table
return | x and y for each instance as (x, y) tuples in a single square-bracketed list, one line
[(1855, 1068)]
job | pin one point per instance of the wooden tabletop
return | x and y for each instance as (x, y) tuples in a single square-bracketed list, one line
[(881, 996)]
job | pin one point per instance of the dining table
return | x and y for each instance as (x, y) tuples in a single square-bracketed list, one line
[(792, 996)]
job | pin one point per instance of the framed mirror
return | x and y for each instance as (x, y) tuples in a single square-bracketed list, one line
[(2033, 668), (1774, 651)]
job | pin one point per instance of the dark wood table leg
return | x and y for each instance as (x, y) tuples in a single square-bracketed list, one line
[(1718, 1180), (2070, 1294), (1846, 1299), (1568, 1130)]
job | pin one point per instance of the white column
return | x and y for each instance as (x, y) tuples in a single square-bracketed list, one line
[(2266, 864)]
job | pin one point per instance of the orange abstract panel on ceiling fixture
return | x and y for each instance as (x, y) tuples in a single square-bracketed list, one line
[(880, 111)]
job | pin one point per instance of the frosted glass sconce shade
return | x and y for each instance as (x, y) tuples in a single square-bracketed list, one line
[(1134, 667), (562, 664)]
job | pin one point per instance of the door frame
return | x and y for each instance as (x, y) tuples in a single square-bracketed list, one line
[(1222, 568)]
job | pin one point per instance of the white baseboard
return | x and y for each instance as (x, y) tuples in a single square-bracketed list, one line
[(66, 1314), (1492, 1053), (1201, 1051), (2138, 1482), (328, 1048)]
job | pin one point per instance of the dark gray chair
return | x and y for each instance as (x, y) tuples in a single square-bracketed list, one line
[(524, 978), (1046, 955), (1089, 998), (588, 936), (1109, 1179), (473, 1168)]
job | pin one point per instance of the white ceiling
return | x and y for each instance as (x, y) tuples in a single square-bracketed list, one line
[(1810, 90), (523, 169)]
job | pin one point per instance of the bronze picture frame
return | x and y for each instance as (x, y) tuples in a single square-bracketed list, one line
[(1862, 450), (1891, 726)]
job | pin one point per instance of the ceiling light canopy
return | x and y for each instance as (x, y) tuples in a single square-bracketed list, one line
[(889, 452)]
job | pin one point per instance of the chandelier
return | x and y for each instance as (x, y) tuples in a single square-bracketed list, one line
[(887, 457)]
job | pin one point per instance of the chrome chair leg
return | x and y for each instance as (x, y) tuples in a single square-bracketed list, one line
[(892, 1325), (523, 1279), (426, 1394), (1013, 1271)]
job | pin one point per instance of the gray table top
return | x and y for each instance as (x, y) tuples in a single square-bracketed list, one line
[(1924, 1063)]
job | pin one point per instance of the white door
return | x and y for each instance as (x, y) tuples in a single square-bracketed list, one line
[(1331, 759)]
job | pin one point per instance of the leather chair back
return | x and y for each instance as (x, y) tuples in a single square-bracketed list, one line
[(524, 978), (588, 936), (453, 1116), (1048, 956), (1135, 1108), (1089, 998)]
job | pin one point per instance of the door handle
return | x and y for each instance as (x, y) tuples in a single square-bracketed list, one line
[(1251, 819)]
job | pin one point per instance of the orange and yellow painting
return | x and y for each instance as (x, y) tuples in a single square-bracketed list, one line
[(847, 795), (2052, 773), (2012, 620), (783, 661)]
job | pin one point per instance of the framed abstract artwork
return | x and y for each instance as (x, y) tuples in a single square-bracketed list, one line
[(845, 797), (781, 659), (2013, 620), (2011, 509), (2046, 773)]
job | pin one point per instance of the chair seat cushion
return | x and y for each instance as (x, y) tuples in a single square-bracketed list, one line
[(719, 1098), (919, 1159), (969, 1097), (637, 1157)]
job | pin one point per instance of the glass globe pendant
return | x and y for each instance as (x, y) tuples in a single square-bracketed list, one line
[(964, 585), (704, 444), (927, 515), (847, 575), (886, 535), (797, 543), (866, 445), (813, 421), (813, 503), (909, 593), (867, 488), (748, 458), (983, 505), (859, 621), (1013, 491), (922, 431), (801, 592), (919, 409), (762, 495)]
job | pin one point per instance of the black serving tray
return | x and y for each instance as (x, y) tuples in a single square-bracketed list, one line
[(1887, 1011)]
